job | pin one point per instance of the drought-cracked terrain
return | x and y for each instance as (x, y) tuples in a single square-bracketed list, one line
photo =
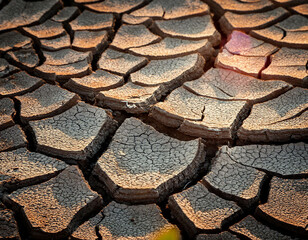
[(134, 119)]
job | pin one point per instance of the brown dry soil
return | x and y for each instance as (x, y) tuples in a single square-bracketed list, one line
[(131, 119)]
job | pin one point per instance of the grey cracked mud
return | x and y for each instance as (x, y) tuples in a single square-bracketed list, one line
[(121, 90)]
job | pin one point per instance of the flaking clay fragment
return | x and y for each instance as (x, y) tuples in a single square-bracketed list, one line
[(289, 65), (253, 229), (12, 138), (45, 101), (287, 160), (301, 9), (197, 209), (90, 85), (286, 206), (57, 43), (47, 29), (75, 134), (224, 84), (120, 63), (132, 36), (170, 73), (143, 165), (19, 13), (245, 45), (90, 40), (7, 111), (64, 64), (175, 47), (172, 9), (199, 116), (93, 21), (66, 14), (235, 181), (247, 22), (235, 6), (281, 119), (239, 63), (54, 208), (131, 97), (25, 57), (199, 27), (21, 168), (292, 32), (18, 84), (115, 6), (13, 39), (134, 222)]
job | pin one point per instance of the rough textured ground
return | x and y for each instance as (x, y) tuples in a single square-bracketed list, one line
[(134, 119)]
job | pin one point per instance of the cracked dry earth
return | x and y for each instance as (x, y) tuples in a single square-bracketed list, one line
[(127, 119)]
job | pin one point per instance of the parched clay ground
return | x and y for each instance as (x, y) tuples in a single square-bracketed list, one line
[(143, 119)]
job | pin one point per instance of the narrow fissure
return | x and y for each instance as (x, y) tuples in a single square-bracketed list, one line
[(266, 65), (242, 115), (111, 35), (29, 135)]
